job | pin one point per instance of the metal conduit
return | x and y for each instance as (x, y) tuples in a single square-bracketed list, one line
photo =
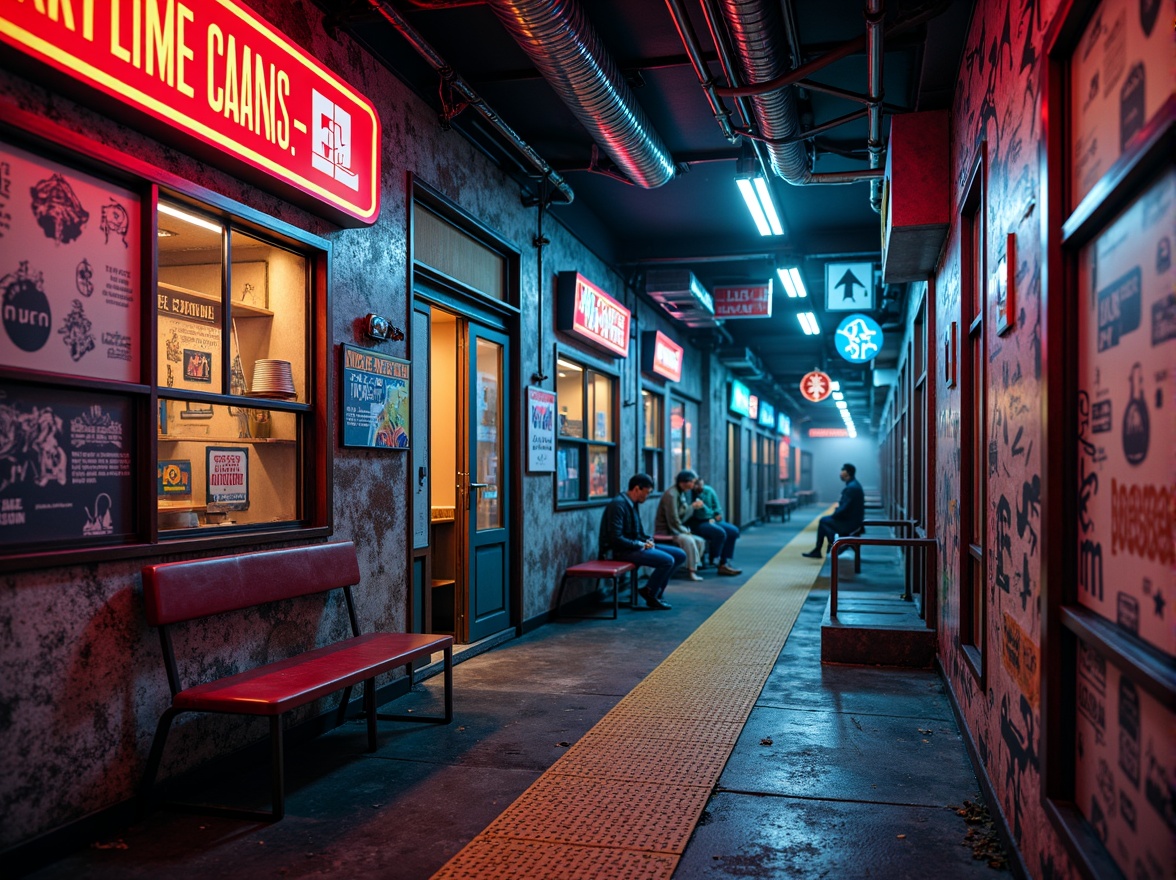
[(459, 85), (566, 49)]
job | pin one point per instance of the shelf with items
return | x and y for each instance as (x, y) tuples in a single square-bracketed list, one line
[(256, 441), (240, 309)]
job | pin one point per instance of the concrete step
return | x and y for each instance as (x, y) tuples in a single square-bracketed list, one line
[(876, 629)]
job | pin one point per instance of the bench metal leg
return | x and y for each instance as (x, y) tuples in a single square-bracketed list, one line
[(373, 716), (615, 609), (369, 708), (341, 716), (277, 768), (154, 758)]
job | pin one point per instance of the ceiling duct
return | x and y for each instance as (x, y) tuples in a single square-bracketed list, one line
[(741, 361), (682, 296), (567, 51)]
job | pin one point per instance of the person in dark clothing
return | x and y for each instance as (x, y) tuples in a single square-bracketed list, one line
[(848, 516), (707, 522), (622, 537)]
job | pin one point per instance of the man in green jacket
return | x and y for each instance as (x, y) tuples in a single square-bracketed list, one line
[(707, 522)]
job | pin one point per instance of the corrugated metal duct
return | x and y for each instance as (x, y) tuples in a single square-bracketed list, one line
[(567, 51)]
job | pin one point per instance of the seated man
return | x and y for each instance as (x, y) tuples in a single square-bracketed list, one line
[(848, 516), (622, 537), (707, 522), (673, 512)]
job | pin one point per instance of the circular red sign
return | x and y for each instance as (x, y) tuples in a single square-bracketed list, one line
[(816, 386)]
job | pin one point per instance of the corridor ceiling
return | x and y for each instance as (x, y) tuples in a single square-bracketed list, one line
[(684, 212)]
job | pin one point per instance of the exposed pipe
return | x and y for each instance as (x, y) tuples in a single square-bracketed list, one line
[(690, 41), (874, 18), (455, 82), (566, 49)]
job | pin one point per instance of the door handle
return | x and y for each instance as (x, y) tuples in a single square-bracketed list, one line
[(479, 485)]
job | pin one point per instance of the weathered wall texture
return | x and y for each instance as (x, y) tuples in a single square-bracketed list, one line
[(81, 683), (998, 108)]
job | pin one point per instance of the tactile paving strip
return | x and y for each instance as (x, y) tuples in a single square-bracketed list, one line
[(622, 803)]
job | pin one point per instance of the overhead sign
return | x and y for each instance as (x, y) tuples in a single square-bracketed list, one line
[(746, 301), (849, 287), (740, 398), (858, 339), (215, 73), (767, 414), (753, 403), (661, 356), (815, 386), (817, 433), (784, 425), (593, 315)]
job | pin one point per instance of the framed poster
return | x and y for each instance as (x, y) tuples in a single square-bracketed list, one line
[(540, 430), (375, 400), (227, 468), (65, 465), (69, 270)]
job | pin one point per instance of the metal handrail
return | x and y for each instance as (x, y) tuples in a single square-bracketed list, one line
[(835, 548)]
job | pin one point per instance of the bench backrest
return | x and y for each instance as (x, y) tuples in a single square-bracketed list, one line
[(178, 591)]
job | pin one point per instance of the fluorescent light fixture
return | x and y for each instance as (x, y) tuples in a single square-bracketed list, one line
[(793, 283), (841, 404), (769, 207), (808, 323), (837, 395), (165, 208), (834, 386), (753, 205)]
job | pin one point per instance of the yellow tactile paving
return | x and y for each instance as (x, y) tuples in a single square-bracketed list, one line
[(622, 803)]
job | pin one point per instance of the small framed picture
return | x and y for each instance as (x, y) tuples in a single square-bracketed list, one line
[(194, 410), (949, 355)]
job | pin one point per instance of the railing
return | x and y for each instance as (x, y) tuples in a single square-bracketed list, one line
[(928, 545)]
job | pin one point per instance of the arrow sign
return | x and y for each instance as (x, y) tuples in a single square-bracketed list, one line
[(849, 287)]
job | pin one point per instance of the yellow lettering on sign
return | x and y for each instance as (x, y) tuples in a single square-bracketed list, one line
[(161, 44), (183, 53), (216, 48)]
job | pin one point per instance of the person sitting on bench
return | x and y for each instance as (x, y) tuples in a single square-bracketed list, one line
[(673, 513), (849, 515), (622, 537), (707, 522)]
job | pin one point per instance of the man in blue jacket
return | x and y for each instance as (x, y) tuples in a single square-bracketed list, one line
[(622, 537), (848, 516)]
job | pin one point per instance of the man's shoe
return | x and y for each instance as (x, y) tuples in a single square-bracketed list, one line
[(657, 604), (692, 576), (728, 570), (813, 554)]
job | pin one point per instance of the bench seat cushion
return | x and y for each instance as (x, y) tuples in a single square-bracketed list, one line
[(278, 687), (600, 568)]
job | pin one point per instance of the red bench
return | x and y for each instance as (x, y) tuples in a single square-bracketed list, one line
[(600, 569), (177, 592)]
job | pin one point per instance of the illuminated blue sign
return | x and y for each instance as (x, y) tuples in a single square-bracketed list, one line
[(767, 415), (858, 338), (784, 425), (740, 398)]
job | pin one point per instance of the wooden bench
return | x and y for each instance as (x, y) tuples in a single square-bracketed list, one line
[(598, 570), (781, 507), (857, 550), (178, 592)]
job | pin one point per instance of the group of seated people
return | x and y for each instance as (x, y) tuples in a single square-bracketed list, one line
[(689, 511)]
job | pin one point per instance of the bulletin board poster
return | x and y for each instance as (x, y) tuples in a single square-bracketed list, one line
[(70, 279), (375, 400), (227, 468), (540, 431), (65, 466)]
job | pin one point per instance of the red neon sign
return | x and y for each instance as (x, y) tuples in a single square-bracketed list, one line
[(215, 72), (816, 386), (667, 357), (828, 432), (589, 312), (748, 301)]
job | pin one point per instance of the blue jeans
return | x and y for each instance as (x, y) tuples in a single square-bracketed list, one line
[(720, 538), (663, 559)]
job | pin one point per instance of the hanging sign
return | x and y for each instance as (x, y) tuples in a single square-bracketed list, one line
[(783, 425), (815, 386), (767, 414), (826, 433), (242, 94), (661, 356), (593, 315), (745, 301), (740, 398), (753, 403), (540, 430), (849, 287), (858, 339)]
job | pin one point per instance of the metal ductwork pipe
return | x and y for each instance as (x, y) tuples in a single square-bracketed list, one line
[(567, 51), (756, 27)]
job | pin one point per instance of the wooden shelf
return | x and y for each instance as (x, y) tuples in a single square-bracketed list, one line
[(257, 441), (240, 309), (442, 582)]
